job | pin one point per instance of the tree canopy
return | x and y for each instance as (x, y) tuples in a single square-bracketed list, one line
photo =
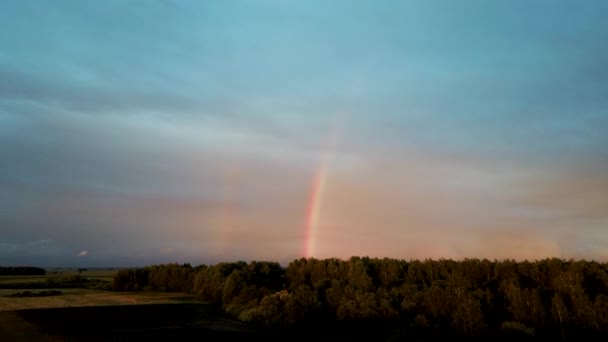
[(550, 297)]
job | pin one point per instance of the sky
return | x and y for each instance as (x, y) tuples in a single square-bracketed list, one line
[(140, 132)]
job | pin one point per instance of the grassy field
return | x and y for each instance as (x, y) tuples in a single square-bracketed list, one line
[(164, 322), (127, 323), (51, 273), (85, 297), (22, 279), (92, 273), (80, 314), (77, 297)]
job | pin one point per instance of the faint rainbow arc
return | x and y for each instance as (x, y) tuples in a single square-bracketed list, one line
[(314, 209), (315, 200)]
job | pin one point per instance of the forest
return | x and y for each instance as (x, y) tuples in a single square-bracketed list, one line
[(554, 298)]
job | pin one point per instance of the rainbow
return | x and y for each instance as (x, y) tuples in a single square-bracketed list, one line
[(313, 212), (319, 183)]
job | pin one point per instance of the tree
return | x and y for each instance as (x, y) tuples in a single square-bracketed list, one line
[(560, 313), (300, 304)]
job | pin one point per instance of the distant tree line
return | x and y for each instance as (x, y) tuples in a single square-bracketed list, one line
[(21, 270), (167, 278), (549, 298)]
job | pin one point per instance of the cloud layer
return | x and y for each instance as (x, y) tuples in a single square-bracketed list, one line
[(170, 131)]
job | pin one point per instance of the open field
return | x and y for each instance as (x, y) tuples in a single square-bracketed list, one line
[(100, 274), (170, 322), (105, 274), (163, 322), (85, 297), (91, 273), (22, 279)]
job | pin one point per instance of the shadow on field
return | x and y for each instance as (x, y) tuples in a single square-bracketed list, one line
[(123, 323), (181, 322), (156, 322)]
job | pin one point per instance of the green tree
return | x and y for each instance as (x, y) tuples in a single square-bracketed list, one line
[(301, 303)]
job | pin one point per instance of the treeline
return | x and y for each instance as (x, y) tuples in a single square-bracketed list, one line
[(548, 298), (21, 270), (167, 278)]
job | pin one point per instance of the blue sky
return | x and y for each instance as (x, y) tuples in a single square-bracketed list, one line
[(158, 131)]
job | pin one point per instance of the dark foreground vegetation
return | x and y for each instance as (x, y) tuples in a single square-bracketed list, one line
[(152, 322), (551, 298), (21, 270), (162, 322)]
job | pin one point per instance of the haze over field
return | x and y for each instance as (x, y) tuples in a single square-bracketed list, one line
[(139, 132)]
